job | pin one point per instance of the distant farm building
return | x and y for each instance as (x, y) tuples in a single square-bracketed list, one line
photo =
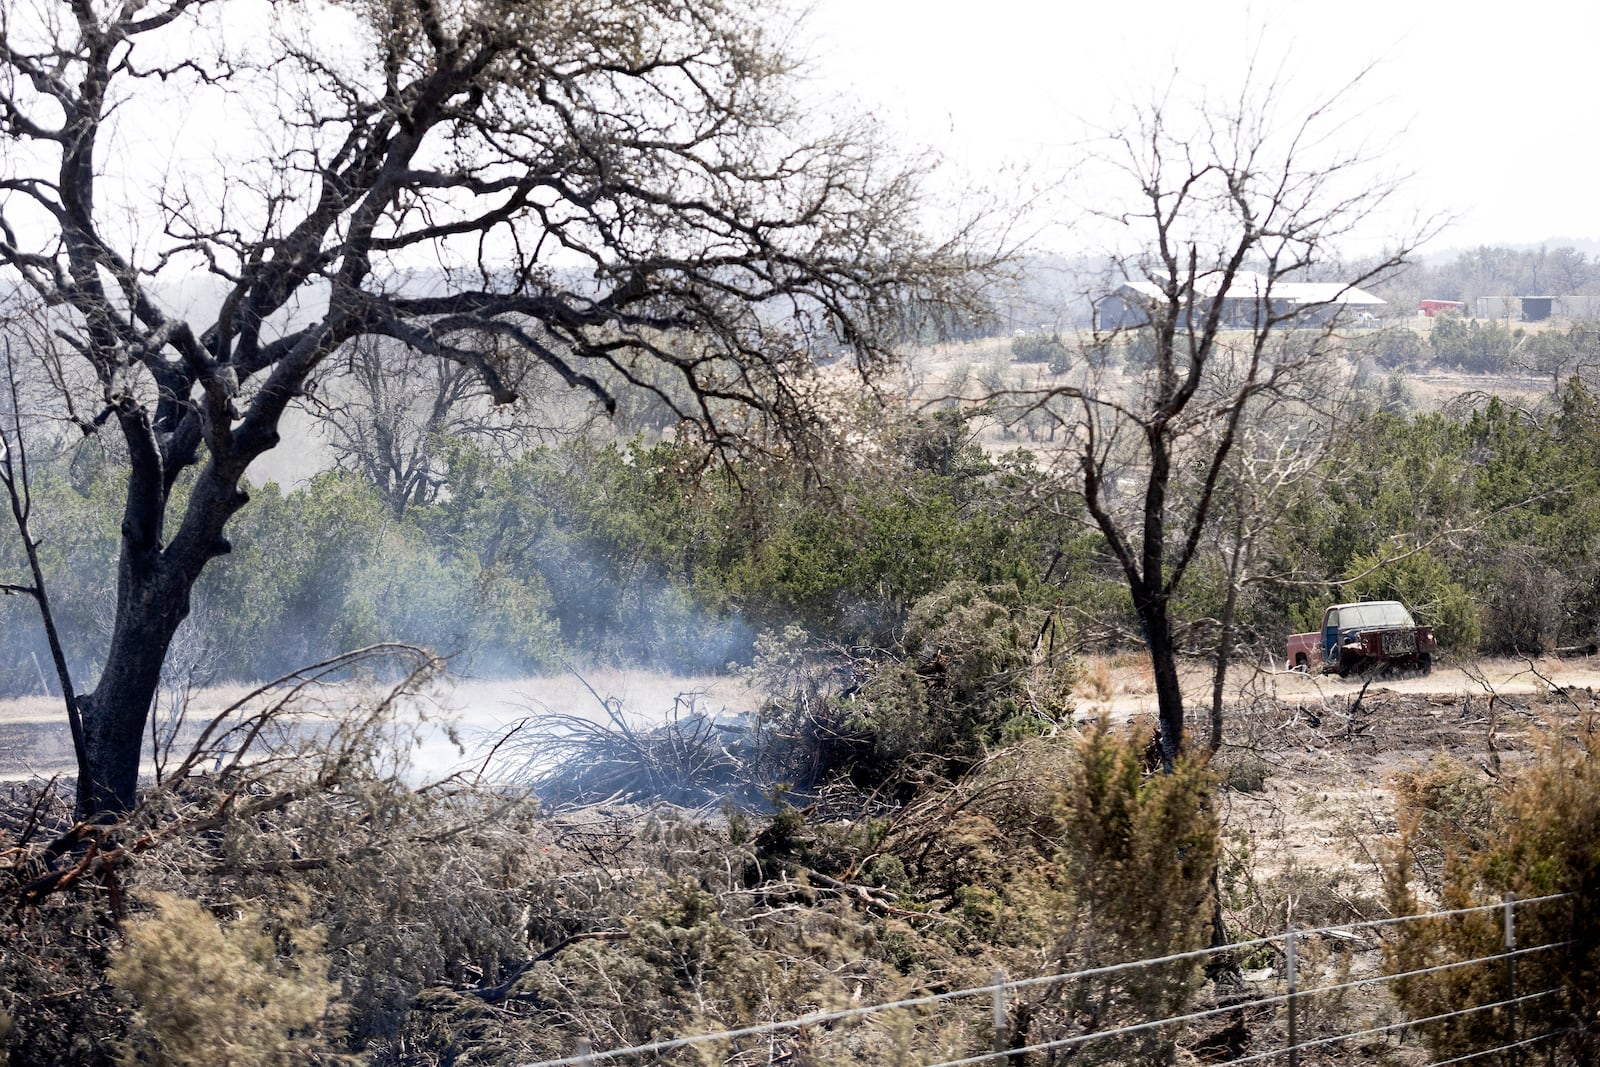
[(1431, 308), (1246, 302), (1537, 308), (1578, 306)]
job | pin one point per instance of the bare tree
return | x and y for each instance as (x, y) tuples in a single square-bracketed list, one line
[(1228, 204), (389, 412), (16, 480), (1273, 458), (605, 186)]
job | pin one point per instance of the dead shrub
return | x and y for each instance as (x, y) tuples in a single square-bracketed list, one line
[(250, 993), (1242, 770), (1445, 810), (690, 759), (295, 795), (1532, 836)]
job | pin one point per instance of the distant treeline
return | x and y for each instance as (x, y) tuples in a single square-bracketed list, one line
[(1052, 293), (1486, 520), (1491, 271)]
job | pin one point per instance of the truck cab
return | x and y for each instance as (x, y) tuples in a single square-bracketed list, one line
[(1362, 636)]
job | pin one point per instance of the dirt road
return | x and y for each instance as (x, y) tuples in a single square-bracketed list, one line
[(34, 739), (1124, 687)]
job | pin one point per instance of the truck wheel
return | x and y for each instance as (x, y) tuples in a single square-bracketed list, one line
[(1302, 664)]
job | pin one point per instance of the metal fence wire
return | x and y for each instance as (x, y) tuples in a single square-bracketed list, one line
[(1304, 989)]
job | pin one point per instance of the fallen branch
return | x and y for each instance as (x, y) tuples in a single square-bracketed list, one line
[(866, 895), (496, 993), (590, 935)]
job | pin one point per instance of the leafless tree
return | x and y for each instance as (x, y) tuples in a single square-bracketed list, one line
[(16, 480), (389, 411), (1227, 203), (606, 186), (1273, 458)]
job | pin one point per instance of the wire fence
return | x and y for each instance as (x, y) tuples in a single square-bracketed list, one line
[(1307, 1005)]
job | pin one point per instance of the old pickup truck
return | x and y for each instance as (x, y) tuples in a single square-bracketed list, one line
[(1371, 635)]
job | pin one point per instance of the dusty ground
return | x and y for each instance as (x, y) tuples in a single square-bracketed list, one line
[(1326, 748), (1327, 753), (1311, 764), (1124, 686)]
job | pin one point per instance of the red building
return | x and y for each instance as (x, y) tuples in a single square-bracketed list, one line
[(1431, 308)]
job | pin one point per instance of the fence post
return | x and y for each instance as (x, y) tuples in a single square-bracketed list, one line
[(1001, 1037), (1289, 973), (1511, 975)]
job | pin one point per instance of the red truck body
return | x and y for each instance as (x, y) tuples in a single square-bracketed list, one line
[(1370, 635)]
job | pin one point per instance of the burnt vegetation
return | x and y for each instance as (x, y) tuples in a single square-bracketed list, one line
[(913, 803), (593, 345)]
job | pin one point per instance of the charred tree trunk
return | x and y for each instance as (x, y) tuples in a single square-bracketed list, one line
[(152, 602), (153, 586), (1164, 661), (149, 612)]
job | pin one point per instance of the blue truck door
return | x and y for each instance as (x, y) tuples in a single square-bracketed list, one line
[(1330, 636)]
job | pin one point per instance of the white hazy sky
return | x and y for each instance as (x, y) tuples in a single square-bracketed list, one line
[(1488, 106)]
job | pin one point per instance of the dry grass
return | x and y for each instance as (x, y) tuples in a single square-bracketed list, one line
[(31, 709), (942, 369), (1096, 682), (207, 702), (1120, 680)]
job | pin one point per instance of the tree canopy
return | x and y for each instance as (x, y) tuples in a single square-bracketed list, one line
[(602, 187)]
